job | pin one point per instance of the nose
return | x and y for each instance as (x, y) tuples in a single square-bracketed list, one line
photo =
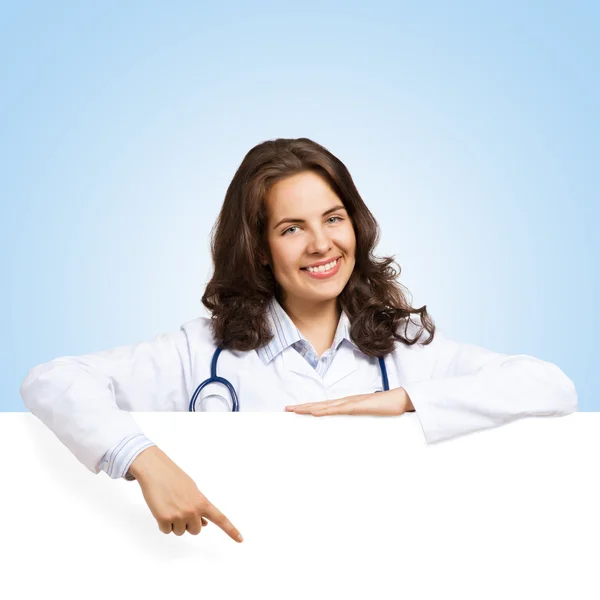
[(319, 243)]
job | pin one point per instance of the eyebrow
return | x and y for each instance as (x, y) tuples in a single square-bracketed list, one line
[(293, 220)]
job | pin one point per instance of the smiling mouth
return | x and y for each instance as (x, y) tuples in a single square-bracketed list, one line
[(322, 269)]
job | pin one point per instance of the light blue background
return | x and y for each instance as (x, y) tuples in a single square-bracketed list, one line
[(470, 129)]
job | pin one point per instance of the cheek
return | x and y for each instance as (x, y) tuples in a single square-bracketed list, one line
[(283, 258), (347, 241)]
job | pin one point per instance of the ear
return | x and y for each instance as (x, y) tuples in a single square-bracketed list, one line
[(263, 258)]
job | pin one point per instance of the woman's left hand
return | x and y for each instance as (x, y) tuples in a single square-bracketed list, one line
[(391, 402)]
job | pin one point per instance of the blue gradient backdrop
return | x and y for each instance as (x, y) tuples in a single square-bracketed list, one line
[(471, 131)]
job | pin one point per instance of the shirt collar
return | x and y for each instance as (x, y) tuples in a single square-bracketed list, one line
[(286, 334)]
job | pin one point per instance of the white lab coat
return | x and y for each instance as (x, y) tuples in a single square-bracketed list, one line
[(455, 387)]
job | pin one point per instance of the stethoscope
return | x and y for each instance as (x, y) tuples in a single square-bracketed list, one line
[(236, 405)]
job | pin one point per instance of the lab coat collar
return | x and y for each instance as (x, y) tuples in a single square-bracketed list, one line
[(343, 364)]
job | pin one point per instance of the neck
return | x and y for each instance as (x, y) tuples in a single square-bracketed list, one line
[(316, 321)]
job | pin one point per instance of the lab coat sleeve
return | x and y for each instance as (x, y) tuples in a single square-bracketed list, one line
[(86, 400), (463, 388), (118, 459)]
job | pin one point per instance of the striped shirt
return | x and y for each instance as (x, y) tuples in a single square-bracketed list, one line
[(117, 460), (286, 334)]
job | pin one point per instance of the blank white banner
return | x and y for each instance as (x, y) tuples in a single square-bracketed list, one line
[(329, 507)]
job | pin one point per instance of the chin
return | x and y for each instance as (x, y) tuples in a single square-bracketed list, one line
[(327, 294)]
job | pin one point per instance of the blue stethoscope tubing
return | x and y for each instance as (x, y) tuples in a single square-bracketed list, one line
[(214, 378)]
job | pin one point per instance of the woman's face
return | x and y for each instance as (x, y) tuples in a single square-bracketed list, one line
[(308, 224)]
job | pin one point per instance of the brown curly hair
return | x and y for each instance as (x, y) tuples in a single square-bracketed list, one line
[(242, 284)]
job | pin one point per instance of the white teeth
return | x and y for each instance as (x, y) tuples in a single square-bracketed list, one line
[(322, 268)]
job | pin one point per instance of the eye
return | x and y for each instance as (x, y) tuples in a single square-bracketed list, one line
[(289, 229)]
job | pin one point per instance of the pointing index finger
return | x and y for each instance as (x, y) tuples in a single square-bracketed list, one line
[(213, 514)]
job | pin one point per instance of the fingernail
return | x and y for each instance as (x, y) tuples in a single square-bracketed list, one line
[(240, 538)]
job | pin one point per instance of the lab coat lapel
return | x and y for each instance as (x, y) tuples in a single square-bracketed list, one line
[(296, 363), (343, 364)]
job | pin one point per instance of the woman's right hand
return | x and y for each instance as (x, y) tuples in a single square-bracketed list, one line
[(173, 498)]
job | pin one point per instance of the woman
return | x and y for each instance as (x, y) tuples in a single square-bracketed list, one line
[(308, 320)]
